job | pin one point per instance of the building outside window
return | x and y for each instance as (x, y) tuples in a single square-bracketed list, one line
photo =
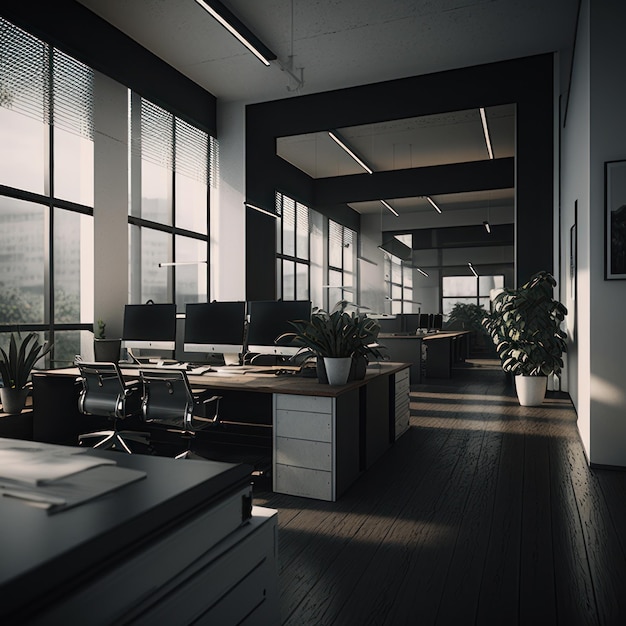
[(46, 193), (172, 171)]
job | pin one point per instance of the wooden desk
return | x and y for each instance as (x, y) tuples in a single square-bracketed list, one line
[(168, 548), (443, 350), (321, 437)]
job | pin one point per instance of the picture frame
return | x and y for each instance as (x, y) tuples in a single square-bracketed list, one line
[(615, 220)]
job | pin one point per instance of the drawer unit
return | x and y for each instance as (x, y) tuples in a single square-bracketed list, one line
[(304, 438)]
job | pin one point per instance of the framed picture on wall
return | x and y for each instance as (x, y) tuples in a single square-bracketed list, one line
[(615, 220)]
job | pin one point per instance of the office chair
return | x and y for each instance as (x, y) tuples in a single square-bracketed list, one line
[(169, 400), (104, 392)]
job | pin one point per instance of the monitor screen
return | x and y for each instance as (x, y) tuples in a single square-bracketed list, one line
[(268, 319), (150, 326), (215, 327), (437, 323)]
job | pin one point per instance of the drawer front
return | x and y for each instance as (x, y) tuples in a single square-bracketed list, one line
[(301, 453), (300, 481), (308, 404), (402, 383), (301, 425)]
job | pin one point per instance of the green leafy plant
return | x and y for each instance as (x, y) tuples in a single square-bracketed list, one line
[(100, 330), (525, 326), (467, 316), (17, 364), (336, 334)]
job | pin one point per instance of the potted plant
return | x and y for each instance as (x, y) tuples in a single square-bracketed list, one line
[(525, 326), (107, 350), (469, 316), (15, 368), (340, 339)]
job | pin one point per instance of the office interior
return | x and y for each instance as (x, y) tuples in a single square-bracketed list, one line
[(568, 119)]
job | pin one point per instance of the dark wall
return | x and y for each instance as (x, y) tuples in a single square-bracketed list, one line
[(79, 32), (526, 82)]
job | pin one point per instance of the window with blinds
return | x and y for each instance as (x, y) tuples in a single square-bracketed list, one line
[(342, 246), (173, 166), (293, 249), (47, 166)]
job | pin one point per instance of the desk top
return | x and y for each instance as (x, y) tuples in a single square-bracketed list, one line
[(254, 378), (444, 334), (43, 551)]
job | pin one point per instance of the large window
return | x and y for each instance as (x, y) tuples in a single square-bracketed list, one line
[(172, 170), (468, 290), (46, 192), (399, 281), (292, 249), (342, 247)]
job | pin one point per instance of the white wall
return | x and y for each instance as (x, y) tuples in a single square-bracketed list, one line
[(110, 203), (608, 298), (228, 237), (595, 132)]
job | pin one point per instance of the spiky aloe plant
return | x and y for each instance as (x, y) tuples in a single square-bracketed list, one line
[(17, 364)]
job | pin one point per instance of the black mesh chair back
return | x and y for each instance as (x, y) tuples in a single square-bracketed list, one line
[(104, 392), (169, 400)]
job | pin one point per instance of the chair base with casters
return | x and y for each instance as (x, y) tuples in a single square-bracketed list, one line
[(105, 393), (169, 401)]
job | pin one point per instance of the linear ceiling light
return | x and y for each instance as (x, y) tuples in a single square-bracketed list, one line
[(473, 270), (433, 203), (483, 119), (179, 263), (236, 28), (335, 137), (260, 210), (422, 272), (487, 226), (388, 206)]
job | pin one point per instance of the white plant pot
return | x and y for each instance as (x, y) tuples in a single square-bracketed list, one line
[(531, 390), (337, 369)]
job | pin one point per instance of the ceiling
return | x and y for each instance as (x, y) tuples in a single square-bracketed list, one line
[(330, 44)]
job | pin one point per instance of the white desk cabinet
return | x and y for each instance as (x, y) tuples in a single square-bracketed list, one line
[(316, 444)]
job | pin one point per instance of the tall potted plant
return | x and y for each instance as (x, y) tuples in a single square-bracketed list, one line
[(339, 338), (16, 366), (525, 326)]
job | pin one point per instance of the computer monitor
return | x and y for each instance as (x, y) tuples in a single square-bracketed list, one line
[(215, 327), (150, 326), (268, 319), (437, 323)]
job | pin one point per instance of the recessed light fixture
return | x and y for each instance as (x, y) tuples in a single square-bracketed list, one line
[(487, 226), (342, 144), (473, 270), (483, 119), (388, 206), (433, 204), (239, 30)]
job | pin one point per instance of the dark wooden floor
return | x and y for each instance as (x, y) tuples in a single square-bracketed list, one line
[(484, 512)]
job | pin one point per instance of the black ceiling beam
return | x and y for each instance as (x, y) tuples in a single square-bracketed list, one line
[(423, 181)]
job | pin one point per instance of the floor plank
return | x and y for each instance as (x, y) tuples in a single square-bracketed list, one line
[(484, 512)]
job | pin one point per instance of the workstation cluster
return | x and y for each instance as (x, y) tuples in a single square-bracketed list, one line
[(421, 340), (223, 333)]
